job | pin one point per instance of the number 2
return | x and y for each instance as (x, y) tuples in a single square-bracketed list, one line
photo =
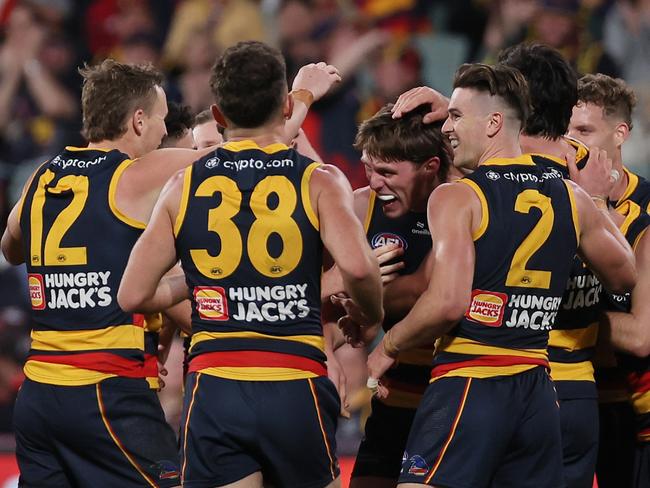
[(518, 275), (55, 255)]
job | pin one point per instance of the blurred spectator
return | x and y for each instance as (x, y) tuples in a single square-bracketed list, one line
[(194, 81), (627, 39), (39, 88), (225, 22), (109, 22), (179, 123)]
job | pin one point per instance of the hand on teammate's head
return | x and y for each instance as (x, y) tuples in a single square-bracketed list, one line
[(419, 96)]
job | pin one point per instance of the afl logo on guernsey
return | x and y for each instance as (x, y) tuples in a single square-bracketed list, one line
[(211, 302), (385, 238), (487, 307), (36, 291)]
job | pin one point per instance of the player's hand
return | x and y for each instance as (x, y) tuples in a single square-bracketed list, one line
[(597, 177), (419, 96), (316, 78), (337, 376), (378, 364), (387, 253)]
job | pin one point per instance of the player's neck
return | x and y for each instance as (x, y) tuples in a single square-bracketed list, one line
[(505, 148), (557, 147), (262, 136), (122, 144)]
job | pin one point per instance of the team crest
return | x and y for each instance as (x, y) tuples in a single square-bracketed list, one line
[(386, 238), (211, 302), (487, 307), (167, 470), (418, 466)]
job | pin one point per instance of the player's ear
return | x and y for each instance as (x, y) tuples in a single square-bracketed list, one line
[(218, 116), (137, 121), (494, 124), (621, 133), (287, 110), (432, 165)]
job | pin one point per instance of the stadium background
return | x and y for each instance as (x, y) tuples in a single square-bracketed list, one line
[(382, 48)]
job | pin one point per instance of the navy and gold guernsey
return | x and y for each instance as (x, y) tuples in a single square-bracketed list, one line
[(77, 244), (408, 380), (637, 370), (573, 338), (248, 240), (637, 190), (528, 213), (488, 415)]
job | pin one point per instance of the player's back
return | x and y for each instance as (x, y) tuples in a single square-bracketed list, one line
[(523, 253), (77, 244), (249, 244)]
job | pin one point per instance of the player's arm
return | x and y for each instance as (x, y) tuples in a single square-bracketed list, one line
[(454, 211), (447, 296), (143, 288), (12, 238), (602, 246), (630, 332), (140, 185), (343, 236)]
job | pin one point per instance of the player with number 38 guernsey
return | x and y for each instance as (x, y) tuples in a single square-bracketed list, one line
[(248, 223)]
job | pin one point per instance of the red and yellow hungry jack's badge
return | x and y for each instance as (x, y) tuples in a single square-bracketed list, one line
[(36, 290), (211, 302), (487, 307)]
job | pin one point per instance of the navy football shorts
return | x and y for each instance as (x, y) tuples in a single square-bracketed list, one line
[(473, 433), (285, 429), (112, 434)]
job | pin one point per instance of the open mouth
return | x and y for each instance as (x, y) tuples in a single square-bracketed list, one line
[(453, 143)]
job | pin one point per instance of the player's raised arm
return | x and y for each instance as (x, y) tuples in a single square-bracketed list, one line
[(343, 236), (609, 257)]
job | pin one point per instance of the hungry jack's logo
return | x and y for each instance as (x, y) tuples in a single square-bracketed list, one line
[(211, 302), (36, 290), (487, 307)]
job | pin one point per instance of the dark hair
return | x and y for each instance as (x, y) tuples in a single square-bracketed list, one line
[(612, 94), (502, 81), (249, 83), (179, 119), (111, 92), (404, 139), (552, 85)]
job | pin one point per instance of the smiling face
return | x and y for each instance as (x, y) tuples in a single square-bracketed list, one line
[(401, 186), (590, 126), (466, 126)]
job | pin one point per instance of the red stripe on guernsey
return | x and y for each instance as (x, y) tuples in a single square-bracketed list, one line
[(138, 320), (640, 383), (103, 362), (151, 366), (492, 360), (256, 359), (643, 434)]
